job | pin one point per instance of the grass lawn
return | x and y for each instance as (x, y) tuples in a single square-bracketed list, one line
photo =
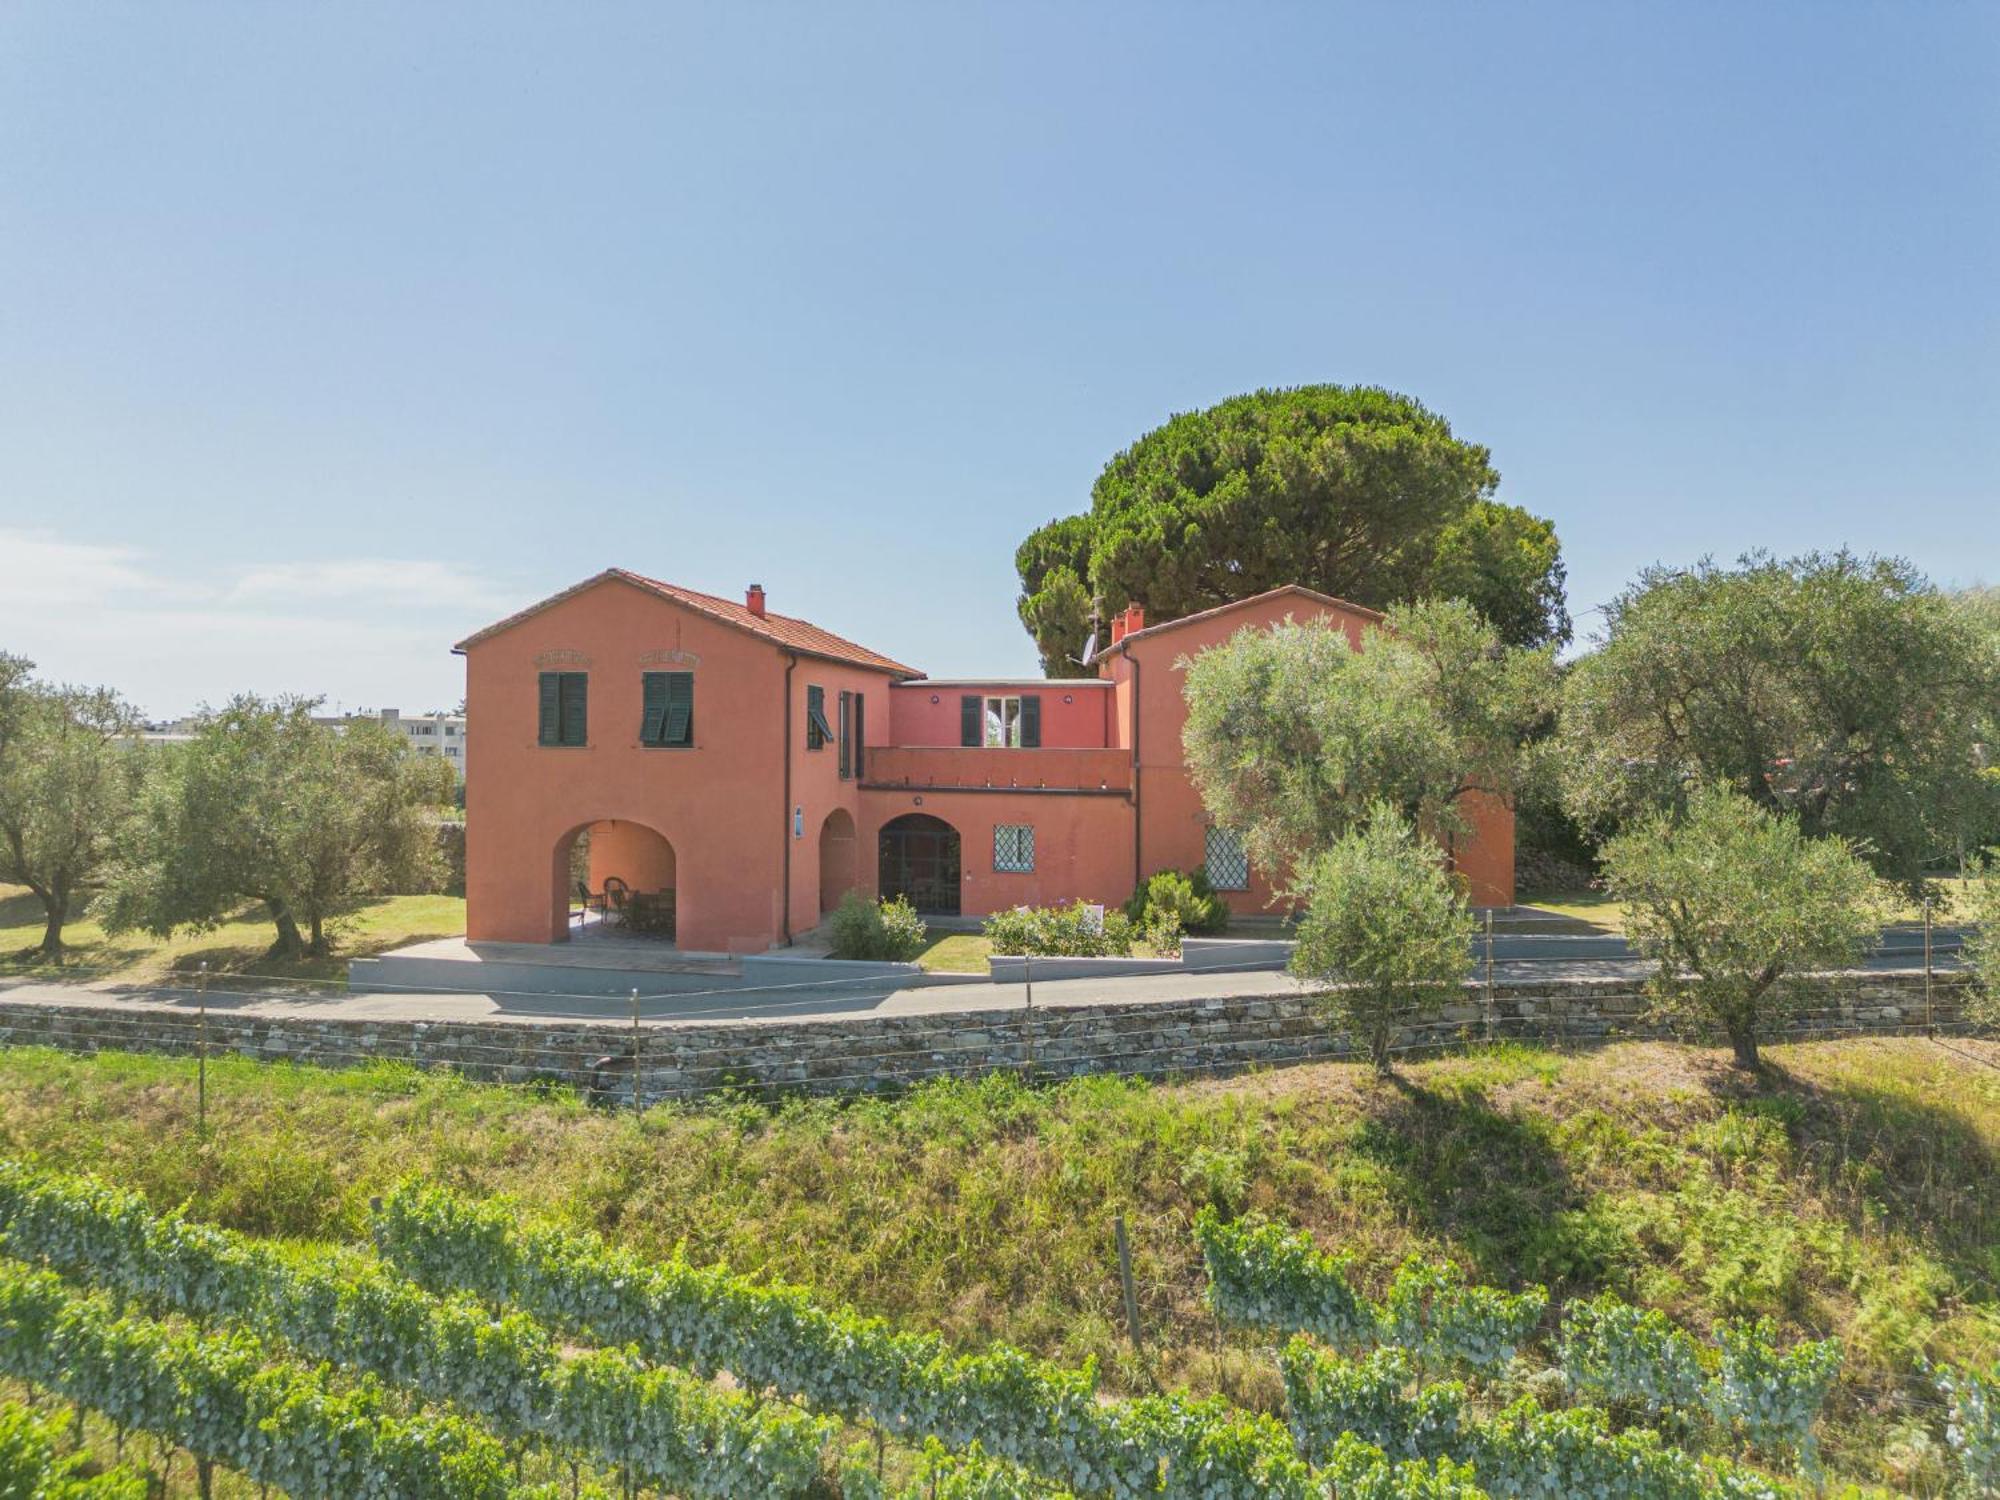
[(1593, 908), (957, 953), (237, 946), (1855, 1193), (1601, 913)]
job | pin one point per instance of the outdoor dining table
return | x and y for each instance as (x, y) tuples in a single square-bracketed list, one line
[(650, 912)]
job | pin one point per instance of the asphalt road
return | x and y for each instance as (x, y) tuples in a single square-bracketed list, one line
[(1517, 960)]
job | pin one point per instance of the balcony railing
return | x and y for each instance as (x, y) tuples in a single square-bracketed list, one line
[(942, 768)]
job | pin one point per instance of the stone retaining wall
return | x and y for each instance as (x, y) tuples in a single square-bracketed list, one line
[(686, 1059)]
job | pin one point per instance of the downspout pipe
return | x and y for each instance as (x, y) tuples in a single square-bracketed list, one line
[(1138, 803), (791, 666)]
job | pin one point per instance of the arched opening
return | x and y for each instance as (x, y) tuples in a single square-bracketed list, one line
[(615, 878), (836, 858), (919, 860)]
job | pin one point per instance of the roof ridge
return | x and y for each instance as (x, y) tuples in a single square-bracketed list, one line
[(1217, 609), (787, 632)]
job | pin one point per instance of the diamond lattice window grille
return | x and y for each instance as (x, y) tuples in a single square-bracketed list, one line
[(1014, 848), (1227, 865)]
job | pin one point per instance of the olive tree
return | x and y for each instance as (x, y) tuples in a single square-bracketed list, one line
[(1385, 928), (267, 804), (69, 773), (1980, 907), (1293, 734), (1842, 690), (1732, 902)]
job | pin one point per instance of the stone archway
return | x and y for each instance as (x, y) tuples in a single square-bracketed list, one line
[(918, 858), (632, 861), (838, 869)]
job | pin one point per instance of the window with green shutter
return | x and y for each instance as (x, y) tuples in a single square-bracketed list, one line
[(860, 732), (668, 719), (846, 735), (564, 715), (818, 731)]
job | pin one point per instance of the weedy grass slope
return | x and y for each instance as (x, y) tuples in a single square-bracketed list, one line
[(1854, 1194)]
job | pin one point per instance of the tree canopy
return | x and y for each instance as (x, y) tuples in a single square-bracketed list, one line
[(265, 804), (69, 774), (1352, 490), (1842, 689), (1293, 735), (1385, 926), (1732, 901)]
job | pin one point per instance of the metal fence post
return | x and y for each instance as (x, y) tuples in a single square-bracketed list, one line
[(1125, 1277), (1028, 1020), (1930, 1010), (635, 1051), (1490, 1006), (201, 1051)]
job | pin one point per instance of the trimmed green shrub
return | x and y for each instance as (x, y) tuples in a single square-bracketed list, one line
[(1060, 932), (888, 931), (1189, 897)]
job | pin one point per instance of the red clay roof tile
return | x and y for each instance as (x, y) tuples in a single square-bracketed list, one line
[(783, 631)]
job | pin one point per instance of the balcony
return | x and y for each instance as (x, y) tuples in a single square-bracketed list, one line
[(943, 768)]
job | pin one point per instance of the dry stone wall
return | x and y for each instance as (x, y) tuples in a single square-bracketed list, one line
[(687, 1059)]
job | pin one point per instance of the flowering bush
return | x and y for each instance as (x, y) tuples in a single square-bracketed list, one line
[(1077, 931)]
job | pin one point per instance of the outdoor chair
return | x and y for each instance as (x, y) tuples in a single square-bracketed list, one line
[(617, 899)]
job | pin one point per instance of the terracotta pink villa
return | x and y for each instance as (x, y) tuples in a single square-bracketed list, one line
[(744, 769)]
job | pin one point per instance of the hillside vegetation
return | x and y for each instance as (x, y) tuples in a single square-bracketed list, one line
[(1854, 1195)]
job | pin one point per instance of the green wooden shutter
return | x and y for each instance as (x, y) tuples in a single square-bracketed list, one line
[(575, 708), (678, 726), (653, 721), (818, 731), (1031, 720), (846, 734), (551, 730), (971, 719), (860, 732)]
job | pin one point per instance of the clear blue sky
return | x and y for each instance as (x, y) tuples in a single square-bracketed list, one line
[(328, 333)]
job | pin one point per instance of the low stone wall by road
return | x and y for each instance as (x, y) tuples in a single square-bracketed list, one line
[(686, 1059)]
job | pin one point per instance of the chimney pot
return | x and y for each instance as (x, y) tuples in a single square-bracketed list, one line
[(1117, 629), (754, 599), (1135, 618)]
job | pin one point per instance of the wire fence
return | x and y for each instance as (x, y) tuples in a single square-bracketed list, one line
[(635, 1059)]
